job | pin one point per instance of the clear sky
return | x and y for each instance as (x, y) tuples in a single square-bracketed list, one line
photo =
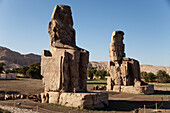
[(146, 23)]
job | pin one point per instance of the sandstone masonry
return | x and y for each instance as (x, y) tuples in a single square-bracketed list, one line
[(124, 72), (64, 67)]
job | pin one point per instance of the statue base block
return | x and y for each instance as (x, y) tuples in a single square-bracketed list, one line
[(87, 100), (143, 89)]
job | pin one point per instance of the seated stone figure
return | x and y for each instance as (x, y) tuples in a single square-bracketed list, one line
[(123, 71), (64, 67)]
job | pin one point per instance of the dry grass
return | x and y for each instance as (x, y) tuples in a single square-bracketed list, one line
[(23, 86)]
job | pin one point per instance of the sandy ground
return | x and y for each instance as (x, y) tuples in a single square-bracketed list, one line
[(118, 102)]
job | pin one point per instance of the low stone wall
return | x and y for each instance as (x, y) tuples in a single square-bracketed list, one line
[(89, 100), (144, 89), (8, 76)]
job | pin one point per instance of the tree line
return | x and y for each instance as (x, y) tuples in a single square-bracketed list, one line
[(94, 73), (160, 77), (32, 71)]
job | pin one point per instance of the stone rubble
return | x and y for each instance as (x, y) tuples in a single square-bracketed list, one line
[(16, 110), (101, 87)]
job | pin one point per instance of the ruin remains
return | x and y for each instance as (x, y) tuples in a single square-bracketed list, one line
[(124, 72), (64, 67)]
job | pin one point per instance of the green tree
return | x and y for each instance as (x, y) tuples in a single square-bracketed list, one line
[(162, 76), (15, 70), (143, 75), (148, 77), (2, 67), (23, 70), (90, 72), (101, 74), (8, 71), (34, 71), (151, 77)]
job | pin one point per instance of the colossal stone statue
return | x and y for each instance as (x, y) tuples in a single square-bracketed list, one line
[(64, 67), (123, 71)]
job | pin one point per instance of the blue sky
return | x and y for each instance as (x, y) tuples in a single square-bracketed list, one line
[(146, 23)]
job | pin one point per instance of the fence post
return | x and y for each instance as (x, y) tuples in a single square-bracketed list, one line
[(14, 102), (37, 108), (144, 108)]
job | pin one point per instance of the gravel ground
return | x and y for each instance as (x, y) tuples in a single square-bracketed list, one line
[(16, 110)]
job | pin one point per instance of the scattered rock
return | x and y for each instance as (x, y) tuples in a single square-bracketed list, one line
[(101, 87), (16, 110), (23, 96)]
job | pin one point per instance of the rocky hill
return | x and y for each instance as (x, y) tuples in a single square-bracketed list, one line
[(154, 69), (14, 59), (98, 65), (146, 68)]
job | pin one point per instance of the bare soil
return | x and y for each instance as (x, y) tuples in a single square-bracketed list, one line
[(118, 102)]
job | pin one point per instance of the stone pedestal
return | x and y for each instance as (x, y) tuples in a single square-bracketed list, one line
[(88, 100), (137, 89)]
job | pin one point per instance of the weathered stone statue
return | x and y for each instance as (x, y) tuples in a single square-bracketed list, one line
[(123, 71), (67, 64), (64, 67)]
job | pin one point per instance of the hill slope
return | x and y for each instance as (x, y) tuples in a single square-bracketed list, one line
[(14, 59)]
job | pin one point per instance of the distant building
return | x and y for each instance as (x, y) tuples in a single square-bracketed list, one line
[(8, 76)]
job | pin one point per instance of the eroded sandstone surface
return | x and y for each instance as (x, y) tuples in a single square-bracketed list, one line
[(123, 71), (64, 66)]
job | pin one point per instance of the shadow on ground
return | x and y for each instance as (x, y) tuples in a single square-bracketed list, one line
[(158, 92), (9, 92), (124, 105)]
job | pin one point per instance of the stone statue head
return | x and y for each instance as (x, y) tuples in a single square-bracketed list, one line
[(60, 28), (63, 14), (116, 51)]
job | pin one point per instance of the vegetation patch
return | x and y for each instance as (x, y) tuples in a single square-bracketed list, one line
[(160, 77), (97, 82), (160, 85)]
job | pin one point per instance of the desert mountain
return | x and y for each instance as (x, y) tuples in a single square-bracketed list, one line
[(14, 59)]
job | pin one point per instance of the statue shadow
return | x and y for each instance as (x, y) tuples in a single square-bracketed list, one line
[(9, 92), (128, 105), (124, 105), (159, 92)]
